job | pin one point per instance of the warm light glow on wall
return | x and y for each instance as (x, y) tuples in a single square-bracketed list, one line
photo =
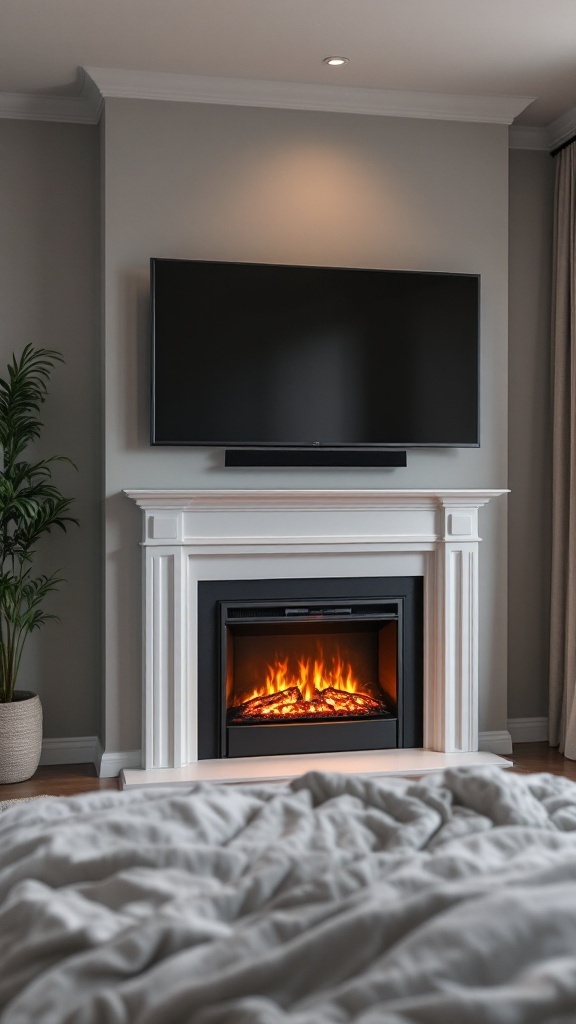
[(313, 200)]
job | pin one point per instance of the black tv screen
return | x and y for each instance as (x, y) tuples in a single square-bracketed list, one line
[(257, 354)]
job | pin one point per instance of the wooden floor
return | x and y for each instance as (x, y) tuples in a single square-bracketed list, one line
[(58, 780), (69, 779), (539, 757)]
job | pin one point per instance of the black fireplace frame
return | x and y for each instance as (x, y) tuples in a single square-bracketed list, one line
[(216, 595)]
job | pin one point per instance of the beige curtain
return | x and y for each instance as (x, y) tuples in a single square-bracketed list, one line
[(562, 715)]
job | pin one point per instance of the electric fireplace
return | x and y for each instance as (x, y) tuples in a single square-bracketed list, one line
[(309, 666)]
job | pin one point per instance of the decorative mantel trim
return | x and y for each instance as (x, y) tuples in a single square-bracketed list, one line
[(250, 534), (250, 500)]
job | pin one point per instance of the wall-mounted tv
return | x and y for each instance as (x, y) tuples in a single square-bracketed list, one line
[(258, 355)]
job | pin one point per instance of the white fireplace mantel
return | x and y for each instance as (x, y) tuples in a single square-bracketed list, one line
[(192, 535)]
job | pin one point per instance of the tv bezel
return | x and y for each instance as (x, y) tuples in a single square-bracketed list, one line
[(308, 445)]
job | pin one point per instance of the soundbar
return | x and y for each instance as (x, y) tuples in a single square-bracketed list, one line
[(313, 457)]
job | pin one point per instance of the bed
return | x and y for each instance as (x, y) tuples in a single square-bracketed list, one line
[(331, 899)]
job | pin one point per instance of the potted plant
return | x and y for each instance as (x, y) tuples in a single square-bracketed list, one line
[(30, 505)]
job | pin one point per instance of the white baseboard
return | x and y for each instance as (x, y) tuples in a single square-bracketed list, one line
[(528, 730), (70, 750), (88, 749), (111, 764), (497, 742), (520, 730)]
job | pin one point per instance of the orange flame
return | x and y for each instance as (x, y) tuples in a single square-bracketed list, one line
[(312, 678)]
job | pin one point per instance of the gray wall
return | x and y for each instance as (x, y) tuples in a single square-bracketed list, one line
[(49, 296), (274, 185), (247, 184), (531, 199)]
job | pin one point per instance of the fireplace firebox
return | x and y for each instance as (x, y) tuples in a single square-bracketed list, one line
[(309, 666)]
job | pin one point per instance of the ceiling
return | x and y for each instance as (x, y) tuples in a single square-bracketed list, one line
[(473, 47)]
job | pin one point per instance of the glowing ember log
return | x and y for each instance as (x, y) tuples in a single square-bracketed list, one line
[(289, 705), (274, 704), (352, 703)]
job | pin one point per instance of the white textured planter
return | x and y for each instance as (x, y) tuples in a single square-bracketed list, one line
[(20, 737)]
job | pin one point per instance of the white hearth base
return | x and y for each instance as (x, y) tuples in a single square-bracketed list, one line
[(283, 769)]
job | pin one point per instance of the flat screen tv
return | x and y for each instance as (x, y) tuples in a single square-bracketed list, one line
[(257, 355)]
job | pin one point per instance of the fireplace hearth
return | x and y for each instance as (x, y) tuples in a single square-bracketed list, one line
[(309, 666)]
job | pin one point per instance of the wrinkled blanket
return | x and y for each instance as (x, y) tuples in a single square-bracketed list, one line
[(333, 899)]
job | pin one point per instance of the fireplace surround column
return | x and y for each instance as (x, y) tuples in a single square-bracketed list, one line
[(197, 535)]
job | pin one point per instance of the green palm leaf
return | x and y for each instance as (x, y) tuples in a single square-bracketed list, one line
[(31, 505)]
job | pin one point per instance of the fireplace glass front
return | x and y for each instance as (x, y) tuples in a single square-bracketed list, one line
[(336, 669), (308, 678)]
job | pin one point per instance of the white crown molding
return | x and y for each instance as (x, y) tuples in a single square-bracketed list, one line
[(91, 95), (22, 106), (84, 108), (118, 84), (562, 128), (523, 137), (98, 84)]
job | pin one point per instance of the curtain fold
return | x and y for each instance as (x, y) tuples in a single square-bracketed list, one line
[(562, 712)]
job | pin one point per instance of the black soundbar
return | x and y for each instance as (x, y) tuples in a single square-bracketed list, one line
[(313, 457)]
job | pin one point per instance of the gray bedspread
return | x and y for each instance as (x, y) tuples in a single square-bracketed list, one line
[(334, 899)]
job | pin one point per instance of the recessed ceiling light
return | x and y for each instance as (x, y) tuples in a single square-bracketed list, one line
[(335, 62)]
